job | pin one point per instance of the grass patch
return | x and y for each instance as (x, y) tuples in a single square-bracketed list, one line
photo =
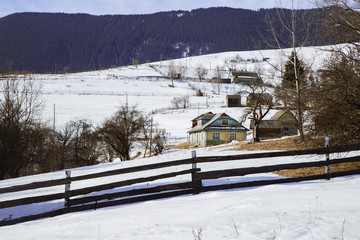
[(294, 143), (284, 144), (305, 172), (184, 145)]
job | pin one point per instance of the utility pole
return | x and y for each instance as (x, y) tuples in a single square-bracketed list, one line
[(54, 119), (151, 126)]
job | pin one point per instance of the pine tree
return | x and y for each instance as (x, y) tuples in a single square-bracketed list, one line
[(289, 78)]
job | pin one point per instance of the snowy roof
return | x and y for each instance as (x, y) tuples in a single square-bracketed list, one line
[(205, 116)]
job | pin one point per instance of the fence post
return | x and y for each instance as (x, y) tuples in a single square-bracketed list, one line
[(327, 167), (67, 188), (197, 184)]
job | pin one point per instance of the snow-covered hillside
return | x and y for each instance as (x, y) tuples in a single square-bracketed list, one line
[(311, 210), (96, 95)]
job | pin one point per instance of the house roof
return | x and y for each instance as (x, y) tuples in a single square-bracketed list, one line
[(205, 116), (233, 96), (215, 117), (244, 74), (279, 114)]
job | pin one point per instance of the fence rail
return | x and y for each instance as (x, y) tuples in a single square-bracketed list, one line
[(79, 200), (113, 93)]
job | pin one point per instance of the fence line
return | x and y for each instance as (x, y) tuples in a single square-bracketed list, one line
[(113, 93), (83, 202), (199, 104)]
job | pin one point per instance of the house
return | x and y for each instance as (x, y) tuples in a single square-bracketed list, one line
[(263, 98), (233, 100), (212, 129), (279, 125), (221, 80), (243, 77)]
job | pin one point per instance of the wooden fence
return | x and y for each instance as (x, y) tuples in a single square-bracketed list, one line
[(78, 200)]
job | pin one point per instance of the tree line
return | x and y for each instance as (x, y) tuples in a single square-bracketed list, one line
[(58, 43), (29, 146)]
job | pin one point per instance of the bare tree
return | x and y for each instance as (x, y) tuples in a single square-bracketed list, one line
[(63, 146), (122, 130), (158, 142), (259, 105), (20, 124), (217, 80), (83, 144), (181, 102), (181, 70), (201, 71), (336, 109), (42, 150), (342, 22), (295, 90), (171, 72), (337, 100), (293, 31)]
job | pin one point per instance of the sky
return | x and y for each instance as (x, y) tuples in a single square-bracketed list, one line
[(103, 7)]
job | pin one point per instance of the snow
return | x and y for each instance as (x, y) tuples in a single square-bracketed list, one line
[(309, 210), (313, 210)]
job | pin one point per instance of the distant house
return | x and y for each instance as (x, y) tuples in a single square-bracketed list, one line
[(243, 77), (233, 100), (221, 80), (263, 98), (212, 129), (279, 125)]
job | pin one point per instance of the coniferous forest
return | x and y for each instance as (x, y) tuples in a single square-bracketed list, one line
[(58, 43)]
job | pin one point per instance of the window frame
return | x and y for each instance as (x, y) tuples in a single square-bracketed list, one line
[(233, 136), (216, 136), (225, 122)]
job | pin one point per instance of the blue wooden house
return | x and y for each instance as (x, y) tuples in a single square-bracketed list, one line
[(212, 129)]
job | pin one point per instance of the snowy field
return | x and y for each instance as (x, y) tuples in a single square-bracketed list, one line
[(310, 210)]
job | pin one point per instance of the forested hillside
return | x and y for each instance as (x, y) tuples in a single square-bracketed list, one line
[(57, 42)]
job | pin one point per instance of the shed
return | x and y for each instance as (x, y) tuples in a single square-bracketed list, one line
[(233, 100), (279, 125), (243, 76)]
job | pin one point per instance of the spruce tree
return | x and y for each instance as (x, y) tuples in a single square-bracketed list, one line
[(289, 78)]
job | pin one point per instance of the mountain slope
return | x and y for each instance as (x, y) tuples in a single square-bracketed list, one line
[(57, 42)]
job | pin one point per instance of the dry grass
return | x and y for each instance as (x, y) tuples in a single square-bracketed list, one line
[(181, 146), (304, 172), (288, 144)]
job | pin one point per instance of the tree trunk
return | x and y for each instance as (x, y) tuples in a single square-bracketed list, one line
[(300, 116), (255, 133)]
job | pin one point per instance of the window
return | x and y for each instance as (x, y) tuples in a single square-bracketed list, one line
[(232, 136), (216, 136), (225, 122)]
